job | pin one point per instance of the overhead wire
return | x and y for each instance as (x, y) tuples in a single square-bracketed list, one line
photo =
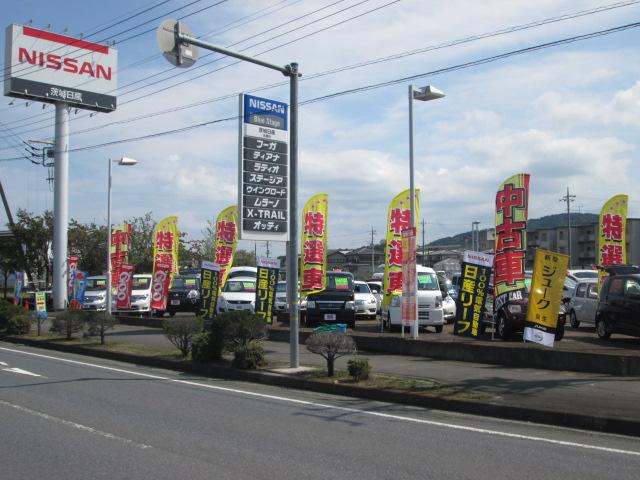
[(373, 61), (369, 87)]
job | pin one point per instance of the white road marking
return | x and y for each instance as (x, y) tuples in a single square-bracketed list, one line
[(401, 418), (79, 426), (20, 371), (4, 364)]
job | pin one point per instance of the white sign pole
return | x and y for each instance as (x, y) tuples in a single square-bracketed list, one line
[(60, 206)]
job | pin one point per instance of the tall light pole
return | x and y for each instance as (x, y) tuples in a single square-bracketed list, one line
[(423, 94), (475, 236), (127, 162)]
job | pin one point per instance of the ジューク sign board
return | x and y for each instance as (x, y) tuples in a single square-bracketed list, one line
[(49, 67), (263, 170)]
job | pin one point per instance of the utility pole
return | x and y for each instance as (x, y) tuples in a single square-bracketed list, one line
[(423, 257), (373, 254), (475, 236), (568, 198)]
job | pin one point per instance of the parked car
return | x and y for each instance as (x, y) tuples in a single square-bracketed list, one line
[(366, 303), (579, 275), (430, 312), (95, 293), (376, 290), (281, 304), (449, 308), (140, 296), (335, 304), (242, 271), (583, 303), (238, 293), (619, 306), (184, 295), (510, 317)]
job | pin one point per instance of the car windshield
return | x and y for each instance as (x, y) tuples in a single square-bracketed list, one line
[(281, 287), (362, 288), (238, 286), (185, 282), (339, 282), (141, 283), (94, 284), (587, 274), (427, 281)]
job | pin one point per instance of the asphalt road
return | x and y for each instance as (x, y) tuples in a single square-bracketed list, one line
[(71, 417)]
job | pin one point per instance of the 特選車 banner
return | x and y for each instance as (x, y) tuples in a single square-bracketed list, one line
[(313, 271)]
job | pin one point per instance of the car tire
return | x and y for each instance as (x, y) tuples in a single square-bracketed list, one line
[(602, 330), (173, 314), (559, 333), (502, 329), (439, 328), (575, 323)]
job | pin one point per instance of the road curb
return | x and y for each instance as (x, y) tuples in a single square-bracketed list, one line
[(622, 426)]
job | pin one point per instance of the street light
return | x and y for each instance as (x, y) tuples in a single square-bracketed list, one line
[(127, 162), (423, 94)]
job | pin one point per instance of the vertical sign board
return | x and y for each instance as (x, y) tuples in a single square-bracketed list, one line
[(17, 288), (612, 238), (49, 67), (124, 287), (549, 270), (72, 267), (474, 282), (313, 262), (263, 170), (41, 305), (266, 287), (409, 276), (209, 286)]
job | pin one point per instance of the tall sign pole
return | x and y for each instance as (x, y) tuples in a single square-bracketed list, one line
[(60, 206), (177, 44)]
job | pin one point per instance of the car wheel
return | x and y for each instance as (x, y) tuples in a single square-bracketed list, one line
[(602, 330), (574, 319), (559, 331), (439, 328), (172, 314), (502, 329)]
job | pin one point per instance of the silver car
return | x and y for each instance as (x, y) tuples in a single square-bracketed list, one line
[(583, 303)]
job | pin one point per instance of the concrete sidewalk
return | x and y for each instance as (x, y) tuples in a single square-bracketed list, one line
[(586, 394)]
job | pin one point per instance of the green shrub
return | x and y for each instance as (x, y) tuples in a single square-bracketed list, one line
[(98, 323), (331, 345), (8, 310), (359, 368), (68, 322), (204, 348), (19, 324), (182, 331), (242, 327), (249, 356)]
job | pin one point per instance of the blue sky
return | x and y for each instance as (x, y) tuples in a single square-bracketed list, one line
[(568, 115)]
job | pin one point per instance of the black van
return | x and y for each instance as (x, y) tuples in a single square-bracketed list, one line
[(619, 306), (184, 295), (335, 304)]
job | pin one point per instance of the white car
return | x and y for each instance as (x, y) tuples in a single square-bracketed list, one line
[(583, 303), (281, 306), (365, 302), (238, 293), (376, 289), (140, 296), (430, 311), (449, 309), (95, 293)]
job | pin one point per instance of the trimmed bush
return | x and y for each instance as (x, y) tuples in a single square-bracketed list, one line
[(68, 322), (8, 310), (182, 331), (249, 356), (98, 323), (19, 324), (331, 345), (241, 328), (203, 348), (359, 368)]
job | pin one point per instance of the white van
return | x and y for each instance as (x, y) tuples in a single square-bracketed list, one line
[(95, 293), (140, 295), (430, 313)]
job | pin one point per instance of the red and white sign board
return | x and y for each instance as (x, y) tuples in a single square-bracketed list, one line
[(125, 285), (49, 67), (409, 276), (160, 286)]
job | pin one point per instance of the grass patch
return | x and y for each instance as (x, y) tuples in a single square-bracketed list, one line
[(396, 383)]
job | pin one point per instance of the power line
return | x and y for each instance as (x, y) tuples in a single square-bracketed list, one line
[(357, 65), (374, 86)]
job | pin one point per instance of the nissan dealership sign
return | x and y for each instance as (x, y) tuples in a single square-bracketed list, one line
[(49, 67)]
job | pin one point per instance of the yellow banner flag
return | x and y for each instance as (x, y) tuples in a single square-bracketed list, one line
[(549, 271), (166, 238), (313, 271), (226, 241), (398, 219), (612, 231)]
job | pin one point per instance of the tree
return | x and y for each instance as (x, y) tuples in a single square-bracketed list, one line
[(36, 234), (141, 252), (331, 345), (244, 258), (89, 242), (9, 259)]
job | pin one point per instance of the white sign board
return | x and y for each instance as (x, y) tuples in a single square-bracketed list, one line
[(263, 169), (50, 67)]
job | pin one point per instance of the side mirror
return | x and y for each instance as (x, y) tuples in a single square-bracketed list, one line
[(566, 300)]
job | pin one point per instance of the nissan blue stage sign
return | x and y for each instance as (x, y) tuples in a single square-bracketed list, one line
[(263, 169)]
